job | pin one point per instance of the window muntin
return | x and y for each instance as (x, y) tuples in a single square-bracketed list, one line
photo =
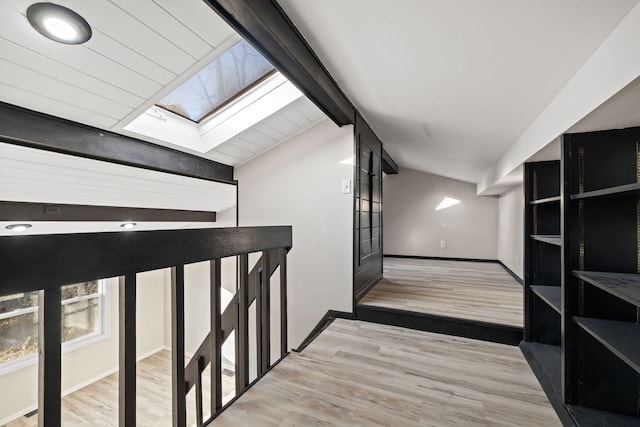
[(230, 75), (82, 308)]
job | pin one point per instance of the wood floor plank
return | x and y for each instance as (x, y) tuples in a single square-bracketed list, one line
[(467, 290), (364, 374), (97, 404)]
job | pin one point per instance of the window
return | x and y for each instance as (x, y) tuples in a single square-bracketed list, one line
[(82, 310), (230, 75)]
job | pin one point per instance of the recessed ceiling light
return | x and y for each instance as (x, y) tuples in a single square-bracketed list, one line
[(128, 225), (58, 23), (17, 228)]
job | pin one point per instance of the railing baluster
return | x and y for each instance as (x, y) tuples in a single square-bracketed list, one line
[(257, 283), (216, 336), (265, 282), (127, 351), (177, 347), (49, 358), (199, 402), (284, 347), (242, 329)]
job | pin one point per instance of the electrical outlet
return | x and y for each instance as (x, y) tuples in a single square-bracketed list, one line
[(443, 244), (346, 186)]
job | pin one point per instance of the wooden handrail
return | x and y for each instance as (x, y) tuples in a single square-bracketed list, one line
[(31, 263)]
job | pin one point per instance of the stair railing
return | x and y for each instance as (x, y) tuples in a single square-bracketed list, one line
[(44, 263)]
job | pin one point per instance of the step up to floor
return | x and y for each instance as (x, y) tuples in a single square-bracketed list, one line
[(485, 331)]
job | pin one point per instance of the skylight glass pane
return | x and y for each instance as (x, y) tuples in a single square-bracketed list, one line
[(225, 78)]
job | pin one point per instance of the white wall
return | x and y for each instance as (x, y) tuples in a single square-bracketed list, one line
[(511, 229), (298, 183), (196, 289), (89, 363), (412, 226)]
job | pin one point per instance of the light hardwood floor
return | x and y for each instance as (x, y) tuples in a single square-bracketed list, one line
[(365, 374), (467, 290), (97, 404)]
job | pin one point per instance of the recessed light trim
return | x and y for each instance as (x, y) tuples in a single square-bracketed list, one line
[(18, 228), (128, 225), (59, 23)]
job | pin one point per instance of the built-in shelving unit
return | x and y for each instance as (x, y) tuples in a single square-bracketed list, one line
[(601, 284), (542, 278)]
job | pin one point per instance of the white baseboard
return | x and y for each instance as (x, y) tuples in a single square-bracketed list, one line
[(65, 392), (90, 381), (19, 414), (150, 352)]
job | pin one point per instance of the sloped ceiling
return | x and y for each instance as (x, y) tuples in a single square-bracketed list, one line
[(449, 86)]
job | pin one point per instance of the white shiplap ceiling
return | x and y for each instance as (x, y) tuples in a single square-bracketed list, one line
[(139, 50), (280, 126)]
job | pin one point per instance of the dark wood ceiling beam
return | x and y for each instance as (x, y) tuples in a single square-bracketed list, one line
[(28, 128), (26, 212), (389, 166), (268, 28)]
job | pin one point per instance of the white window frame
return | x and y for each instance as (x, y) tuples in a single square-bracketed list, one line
[(103, 331)]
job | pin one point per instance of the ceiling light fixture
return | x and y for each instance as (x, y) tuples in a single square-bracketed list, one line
[(17, 228), (58, 23), (128, 225)]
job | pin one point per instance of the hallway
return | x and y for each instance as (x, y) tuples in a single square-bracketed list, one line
[(358, 373)]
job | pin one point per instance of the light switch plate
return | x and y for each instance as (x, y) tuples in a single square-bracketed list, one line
[(346, 186)]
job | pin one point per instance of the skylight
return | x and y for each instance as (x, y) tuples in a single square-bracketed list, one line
[(227, 77)]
